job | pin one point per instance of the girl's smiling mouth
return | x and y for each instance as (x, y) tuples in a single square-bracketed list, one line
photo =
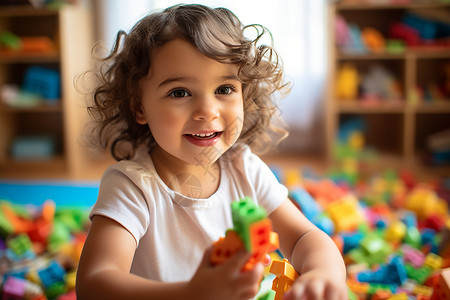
[(203, 139)]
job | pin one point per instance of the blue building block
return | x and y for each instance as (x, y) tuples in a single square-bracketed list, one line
[(392, 273), (42, 81), (52, 274), (312, 210)]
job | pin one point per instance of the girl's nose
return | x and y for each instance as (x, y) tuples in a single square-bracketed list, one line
[(206, 109)]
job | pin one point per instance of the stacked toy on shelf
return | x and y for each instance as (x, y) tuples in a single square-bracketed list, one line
[(424, 30)]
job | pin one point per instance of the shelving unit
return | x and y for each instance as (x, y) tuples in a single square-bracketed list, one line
[(71, 32), (396, 128)]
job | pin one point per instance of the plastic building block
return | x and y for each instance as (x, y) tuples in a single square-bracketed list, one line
[(252, 231), (20, 245), (37, 44), (52, 274), (372, 250), (244, 213), (433, 261), (442, 290), (42, 81), (361, 289), (419, 274), (19, 224), (14, 288), (9, 40), (285, 277), (413, 256), (69, 296), (392, 273), (373, 39), (347, 82), (413, 237), (312, 210), (395, 232), (381, 295), (425, 202), (18, 288), (345, 213), (6, 228), (225, 247)]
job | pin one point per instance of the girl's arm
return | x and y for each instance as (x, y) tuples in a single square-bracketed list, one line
[(104, 271), (312, 253)]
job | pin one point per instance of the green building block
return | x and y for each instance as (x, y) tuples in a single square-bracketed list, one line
[(5, 226), (419, 275), (372, 250), (244, 213), (20, 245), (10, 40)]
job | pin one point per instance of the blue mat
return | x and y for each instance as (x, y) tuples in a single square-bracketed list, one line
[(63, 193)]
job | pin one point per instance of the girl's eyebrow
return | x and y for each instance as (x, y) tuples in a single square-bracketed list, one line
[(231, 77), (173, 79), (169, 80)]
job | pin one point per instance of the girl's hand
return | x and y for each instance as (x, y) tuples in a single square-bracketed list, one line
[(226, 281), (318, 285)]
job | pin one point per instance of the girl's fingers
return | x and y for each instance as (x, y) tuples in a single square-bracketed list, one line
[(236, 262)]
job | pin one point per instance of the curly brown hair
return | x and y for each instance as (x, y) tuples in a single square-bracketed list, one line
[(218, 34)]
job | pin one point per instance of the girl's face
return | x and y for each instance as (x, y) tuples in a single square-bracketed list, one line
[(192, 103)]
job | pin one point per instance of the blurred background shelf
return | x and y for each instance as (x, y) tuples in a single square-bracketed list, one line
[(61, 41), (401, 122)]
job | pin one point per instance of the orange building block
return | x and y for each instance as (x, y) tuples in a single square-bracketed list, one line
[(285, 277), (442, 290), (225, 247), (262, 240)]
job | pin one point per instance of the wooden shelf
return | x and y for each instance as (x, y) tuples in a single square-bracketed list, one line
[(400, 127), (40, 108), (370, 5), (27, 58), (415, 53), (70, 29), (357, 107), (26, 11), (435, 107)]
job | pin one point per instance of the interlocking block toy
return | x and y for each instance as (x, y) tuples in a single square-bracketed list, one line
[(285, 277), (433, 261), (392, 273), (345, 213), (226, 247), (442, 290), (245, 213), (425, 202), (52, 274), (252, 231), (20, 245)]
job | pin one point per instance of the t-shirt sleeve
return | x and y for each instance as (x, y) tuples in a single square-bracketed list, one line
[(121, 200), (269, 191)]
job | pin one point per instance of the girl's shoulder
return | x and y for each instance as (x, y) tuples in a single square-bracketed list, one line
[(240, 154), (136, 169)]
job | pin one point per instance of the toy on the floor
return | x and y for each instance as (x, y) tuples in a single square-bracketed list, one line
[(252, 231), (285, 277), (39, 250)]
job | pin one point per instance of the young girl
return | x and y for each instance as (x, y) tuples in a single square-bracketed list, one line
[(184, 100)]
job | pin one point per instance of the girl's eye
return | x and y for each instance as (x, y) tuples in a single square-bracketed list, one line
[(225, 90), (179, 93)]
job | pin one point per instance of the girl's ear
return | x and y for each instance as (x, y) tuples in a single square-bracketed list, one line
[(140, 116)]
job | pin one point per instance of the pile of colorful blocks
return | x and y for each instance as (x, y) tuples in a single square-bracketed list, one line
[(40, 248), (392, 230)]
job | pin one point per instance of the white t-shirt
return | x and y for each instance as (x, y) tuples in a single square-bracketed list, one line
[(172, 231)]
